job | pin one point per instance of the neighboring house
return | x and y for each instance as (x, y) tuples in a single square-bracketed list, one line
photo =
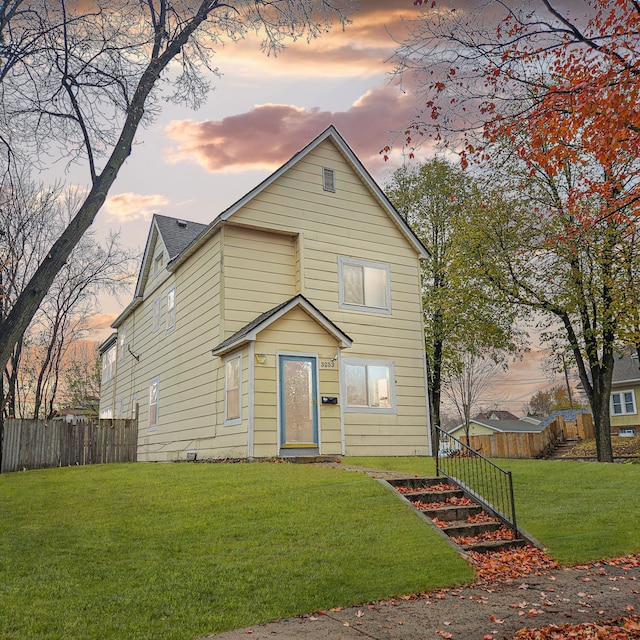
[(625, 390), (291, 325), (489, 427)]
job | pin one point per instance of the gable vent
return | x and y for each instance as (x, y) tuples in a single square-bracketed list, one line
[(181, 223), (328, 179)]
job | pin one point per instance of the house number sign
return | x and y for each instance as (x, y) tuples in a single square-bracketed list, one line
[(328, 364)]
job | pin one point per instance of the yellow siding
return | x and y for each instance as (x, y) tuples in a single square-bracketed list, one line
[(189, 389), (259, 274), (351, 223)]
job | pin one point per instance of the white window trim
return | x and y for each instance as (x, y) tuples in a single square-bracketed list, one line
[(623, 404), (363, 263), (233, 421), (158, 263), (329, 179), (122, 343), (153, 427), (109, 364), (374, 363), (171, 327), (156, 319)]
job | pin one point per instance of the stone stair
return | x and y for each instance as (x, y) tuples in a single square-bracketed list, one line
[(457, 515), (563, 448)]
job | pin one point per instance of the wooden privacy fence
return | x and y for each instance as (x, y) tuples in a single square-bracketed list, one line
[(38, 444), (532, 445)]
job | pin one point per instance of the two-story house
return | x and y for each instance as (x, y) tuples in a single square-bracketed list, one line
[(291, 325)]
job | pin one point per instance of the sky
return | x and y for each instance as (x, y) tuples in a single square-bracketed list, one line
[(194, 164)]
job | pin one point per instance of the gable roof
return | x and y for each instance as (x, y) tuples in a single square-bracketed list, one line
[(330, 133), (177, 234), (499, 415), (250, 331)]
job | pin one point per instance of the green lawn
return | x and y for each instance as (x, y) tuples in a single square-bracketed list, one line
[(581, 511), (182, 550)]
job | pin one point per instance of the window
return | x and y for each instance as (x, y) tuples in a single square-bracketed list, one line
[(364, 286), (157, 264), (232, 390), (171, 308), (369, 386), (122, 342), (157, 313), (154, 388), (328, 179), (628, 432), (623, 403), (109, 364)]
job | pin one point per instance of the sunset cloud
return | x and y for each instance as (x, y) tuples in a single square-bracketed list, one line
[(268, 135), (127, 207)]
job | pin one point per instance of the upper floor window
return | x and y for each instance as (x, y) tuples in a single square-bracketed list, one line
[(623, 403), (171, 308), (157, 263), (122, 342), (109, 364), (157, 313), (369, 386), (364, 285), (328, 179)]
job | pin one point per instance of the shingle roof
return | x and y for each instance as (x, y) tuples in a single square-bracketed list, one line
[(568, 415), (626, 368), (177, 234)]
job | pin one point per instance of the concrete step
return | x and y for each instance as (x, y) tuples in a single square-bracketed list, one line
[(452, 513), (494, 545), (459, 529)]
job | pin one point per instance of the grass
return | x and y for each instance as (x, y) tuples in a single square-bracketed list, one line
[(582, 511), (178, 551)]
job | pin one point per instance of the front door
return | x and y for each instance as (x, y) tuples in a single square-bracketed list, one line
[(298, 402)]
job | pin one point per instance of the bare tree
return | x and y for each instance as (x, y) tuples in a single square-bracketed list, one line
[(77, 82), (467, 388), (32, 218)]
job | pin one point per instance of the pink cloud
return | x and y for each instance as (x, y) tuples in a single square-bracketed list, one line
[(127, 207), (269, 134), (101, 321)]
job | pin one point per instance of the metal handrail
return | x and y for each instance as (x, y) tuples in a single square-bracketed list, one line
[(484, 481)]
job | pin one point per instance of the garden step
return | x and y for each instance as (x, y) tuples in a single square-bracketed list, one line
[(419, 482), (452, 514), (470, 529), (494, 545), (433, 496)]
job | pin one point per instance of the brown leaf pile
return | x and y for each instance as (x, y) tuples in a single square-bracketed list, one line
[(620, 446), (486, 536), (449, 502), (441, 486), (618, 629), (509, 564)]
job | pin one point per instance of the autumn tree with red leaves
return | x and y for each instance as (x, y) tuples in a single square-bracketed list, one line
[(549, 100)]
